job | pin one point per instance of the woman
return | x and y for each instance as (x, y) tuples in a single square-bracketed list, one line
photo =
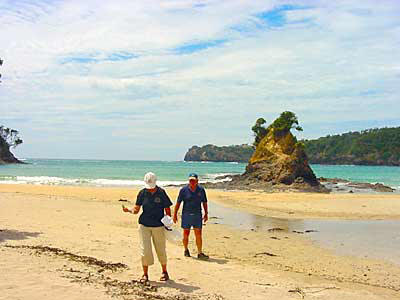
[(154, 201)]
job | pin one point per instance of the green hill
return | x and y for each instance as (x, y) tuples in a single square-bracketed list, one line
[(379, 146), (368, 147)]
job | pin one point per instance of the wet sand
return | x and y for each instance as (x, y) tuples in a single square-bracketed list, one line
[(252, 264)]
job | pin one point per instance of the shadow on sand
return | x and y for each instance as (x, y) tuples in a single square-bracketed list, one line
[(184, 288), (15, 235)]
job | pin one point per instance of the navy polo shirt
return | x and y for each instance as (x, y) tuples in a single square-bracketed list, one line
[(153, 206), (192, 200)]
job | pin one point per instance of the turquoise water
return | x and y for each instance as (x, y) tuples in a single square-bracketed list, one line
[(125, 173)]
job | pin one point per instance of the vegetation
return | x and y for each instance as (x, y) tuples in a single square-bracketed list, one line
[(10, 137), (282, 125), (259, 131), (368, 147), (286, 121)]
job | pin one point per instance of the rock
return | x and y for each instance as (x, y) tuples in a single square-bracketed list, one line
[(379, 187), (279, 163), (6, 157)]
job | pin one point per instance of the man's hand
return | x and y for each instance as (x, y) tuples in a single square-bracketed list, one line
[(175, 218), (205, 218)]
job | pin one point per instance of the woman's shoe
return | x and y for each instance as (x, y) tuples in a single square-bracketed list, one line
[(187, 253), (164, 276), (144, 279)]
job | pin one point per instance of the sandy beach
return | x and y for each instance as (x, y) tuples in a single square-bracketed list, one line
[(64, 242)]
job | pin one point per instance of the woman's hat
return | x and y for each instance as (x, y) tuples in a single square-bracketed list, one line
[(150, 180)]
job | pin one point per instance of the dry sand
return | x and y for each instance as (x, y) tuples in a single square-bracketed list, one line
[(89, 228)]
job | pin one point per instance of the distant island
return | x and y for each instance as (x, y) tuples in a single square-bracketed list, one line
[(234, 153), (378, 146)]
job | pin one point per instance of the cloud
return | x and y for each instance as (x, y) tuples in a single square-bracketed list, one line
[(192, 72)]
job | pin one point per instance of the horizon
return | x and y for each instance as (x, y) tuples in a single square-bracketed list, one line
[(146, 81), (182, 160)]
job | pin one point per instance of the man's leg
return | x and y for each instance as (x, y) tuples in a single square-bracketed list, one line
[(199, 240), (185, 240), (199, 243)]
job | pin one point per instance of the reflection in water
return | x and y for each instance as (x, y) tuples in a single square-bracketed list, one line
[(373, 239), (246, 221)]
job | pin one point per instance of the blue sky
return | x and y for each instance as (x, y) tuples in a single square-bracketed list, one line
[(149, 79)]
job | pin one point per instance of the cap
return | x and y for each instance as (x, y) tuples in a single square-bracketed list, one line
[(193, 176), (150, 180)]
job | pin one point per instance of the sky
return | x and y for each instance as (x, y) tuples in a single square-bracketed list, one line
[(146, 80)]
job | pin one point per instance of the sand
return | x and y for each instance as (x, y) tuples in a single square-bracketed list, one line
[(86, 221)]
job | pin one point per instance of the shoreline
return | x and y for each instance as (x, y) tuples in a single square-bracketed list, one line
[(88, 221)]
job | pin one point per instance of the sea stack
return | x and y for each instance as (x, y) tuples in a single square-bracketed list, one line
[(279, 161)]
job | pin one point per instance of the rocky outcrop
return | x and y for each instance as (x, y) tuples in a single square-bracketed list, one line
[(279, 163), (237, 153), (280, 159), (343, 185), (6, 157)]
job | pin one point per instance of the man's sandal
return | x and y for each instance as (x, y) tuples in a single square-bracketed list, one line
[(164, 276), (144, 279)]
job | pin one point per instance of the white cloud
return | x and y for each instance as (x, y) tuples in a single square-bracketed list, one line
[(329, 62)]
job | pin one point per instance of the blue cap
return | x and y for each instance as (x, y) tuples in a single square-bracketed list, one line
[(193, 176)]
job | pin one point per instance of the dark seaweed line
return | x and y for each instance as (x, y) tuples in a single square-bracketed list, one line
[(115, 287), (74, 257)]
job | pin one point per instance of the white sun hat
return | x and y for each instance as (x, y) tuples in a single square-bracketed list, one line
[(150, 180)]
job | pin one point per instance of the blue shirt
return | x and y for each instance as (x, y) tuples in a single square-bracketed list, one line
[(153, 206), (192, 200)]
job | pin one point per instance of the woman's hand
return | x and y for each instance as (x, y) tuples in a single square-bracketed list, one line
[(125, 209)]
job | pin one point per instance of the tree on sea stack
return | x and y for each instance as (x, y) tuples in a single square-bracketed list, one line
[(279, 159)]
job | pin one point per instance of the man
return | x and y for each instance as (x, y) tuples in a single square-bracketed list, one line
[(192, 196)]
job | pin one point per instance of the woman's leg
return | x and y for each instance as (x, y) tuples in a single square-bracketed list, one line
[(160, 246), (158, 236), (145, 270), (146, 252)]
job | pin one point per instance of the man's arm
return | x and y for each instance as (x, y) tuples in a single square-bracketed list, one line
[(168, 211), (176, 209)]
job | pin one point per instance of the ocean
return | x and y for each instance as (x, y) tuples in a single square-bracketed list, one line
[(130, 172)]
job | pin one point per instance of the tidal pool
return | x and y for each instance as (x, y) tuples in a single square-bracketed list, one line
[(379, 239)]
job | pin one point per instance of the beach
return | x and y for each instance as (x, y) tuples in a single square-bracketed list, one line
[(69, 242)]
